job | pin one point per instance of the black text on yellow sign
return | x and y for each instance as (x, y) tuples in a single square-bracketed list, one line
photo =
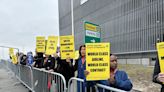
[(40, 44), (160, 49), (98, 61), (67, 47), (51, 45)]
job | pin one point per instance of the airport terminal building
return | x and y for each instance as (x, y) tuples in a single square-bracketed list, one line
[(133, 27)]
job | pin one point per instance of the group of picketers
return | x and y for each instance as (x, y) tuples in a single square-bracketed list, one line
[(67, 67)]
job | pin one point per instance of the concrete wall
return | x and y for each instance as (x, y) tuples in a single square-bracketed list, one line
[(122, 61), (142, 61)]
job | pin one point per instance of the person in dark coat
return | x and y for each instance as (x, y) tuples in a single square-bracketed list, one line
[(118, 78), (23, 60), (49, 62), (65, 67), (158, 77), (38, 60)]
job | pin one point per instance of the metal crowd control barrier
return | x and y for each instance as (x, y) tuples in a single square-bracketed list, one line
[(26, 76), (15, 69), (38, 80), (3, 63), (22, 73), (104, 87), (72, 84), (12, 67), (46, 81), (77, 85)]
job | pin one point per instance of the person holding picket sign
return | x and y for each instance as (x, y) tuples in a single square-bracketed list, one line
[(118, 79), (158, 75), (64, 67), (80, 66)]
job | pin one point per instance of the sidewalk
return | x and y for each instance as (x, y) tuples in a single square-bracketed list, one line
[(8, 82)]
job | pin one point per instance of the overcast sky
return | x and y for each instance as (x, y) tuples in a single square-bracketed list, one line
[(22, 20)]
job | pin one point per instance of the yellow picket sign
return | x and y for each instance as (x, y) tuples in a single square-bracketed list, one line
[(40, 44), (98, 61), (160, 49), (14, 59), (76, 54), (51, 45), (11, 51), (67, 47)]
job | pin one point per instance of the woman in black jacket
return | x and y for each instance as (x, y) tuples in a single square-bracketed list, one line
[(65, 67)]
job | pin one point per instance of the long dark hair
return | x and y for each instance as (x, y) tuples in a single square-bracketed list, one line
[(111, 54), (80, 50)]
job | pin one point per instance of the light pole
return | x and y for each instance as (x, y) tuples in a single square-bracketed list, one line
[(72, 14), (72, 17)]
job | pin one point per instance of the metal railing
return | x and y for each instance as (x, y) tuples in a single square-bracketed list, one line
[(82, 88), (12, 67), (46, 81), (104, 87), (41, 80), (26, 76), (22, 73), (37, 80), (73, 82)]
